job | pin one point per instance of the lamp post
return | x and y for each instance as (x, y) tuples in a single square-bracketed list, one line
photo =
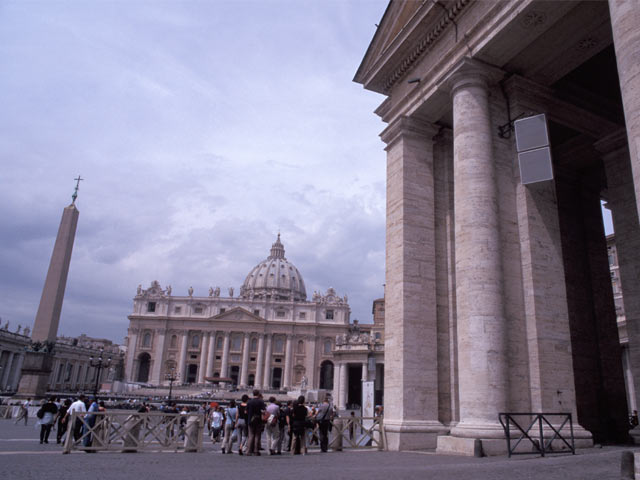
[(171, 376), (99, 363)]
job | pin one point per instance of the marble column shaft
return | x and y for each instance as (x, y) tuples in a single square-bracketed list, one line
[(7, 370), (132, 350), (244, 368), (479, 284), (288, 360), (157, 357), (203, 358), (260, 362), (182, 363), (342, 391), (625, 23), (211, 354), (266, 380), (14, 380), (224, 368)]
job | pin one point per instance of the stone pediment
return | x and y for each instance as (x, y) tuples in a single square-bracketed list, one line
[(238, 314)]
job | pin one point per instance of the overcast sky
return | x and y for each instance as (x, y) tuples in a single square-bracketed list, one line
[(202, 128)]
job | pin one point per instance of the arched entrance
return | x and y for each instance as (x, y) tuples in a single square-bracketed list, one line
[(144, 363), (326, 375)]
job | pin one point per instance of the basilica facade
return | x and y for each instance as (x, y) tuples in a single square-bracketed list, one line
[(268, 336)]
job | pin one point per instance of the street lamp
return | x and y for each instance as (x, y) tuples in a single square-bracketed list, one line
[(171, 376), (99, 363)]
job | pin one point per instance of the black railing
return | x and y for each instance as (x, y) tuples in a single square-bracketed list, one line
[(540, 444)]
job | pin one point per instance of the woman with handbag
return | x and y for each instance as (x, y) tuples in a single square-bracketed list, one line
[(229, 427)]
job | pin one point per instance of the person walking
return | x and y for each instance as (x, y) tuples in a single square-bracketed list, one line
[(63, 420), (273, 427), (89, 423), (23, 412), (282, 425), (255, 407), (216, 424), (299, 419), (46, 418), (242, 425), (80, 407), (286, 413), (323, 420), (229, 427)]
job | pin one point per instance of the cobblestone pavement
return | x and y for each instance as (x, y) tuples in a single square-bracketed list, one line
[(22, 457)]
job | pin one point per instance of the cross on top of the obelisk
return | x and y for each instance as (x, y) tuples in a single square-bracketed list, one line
[(75, 192)]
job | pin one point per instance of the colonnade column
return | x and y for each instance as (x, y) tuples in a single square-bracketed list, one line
[(7, 370), (342, 389), (288, 358), (203, 358), (182, 361), (625, 23), (260, 362), (244, 369), (482, 345), (157, 357), (14, 380), (132, 343), (266, 380), (211, 354), (224, 368), (411, 335), (365, 372)]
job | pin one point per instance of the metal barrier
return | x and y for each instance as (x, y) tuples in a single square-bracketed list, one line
[(122, 430), (540, 445), (357, 432)]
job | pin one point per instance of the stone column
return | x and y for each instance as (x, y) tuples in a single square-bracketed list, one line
[(244, 368), (14, 380), (365, 371), (132, 347), (224, 369), (310, 362), (266, 379), (625, 23), (342, 390), (211, 354), (288, 360), (482, 345), (622, 201), (410, 321), (7, 370), (182, 361), (260, 361), (204, 347), (157, 357)]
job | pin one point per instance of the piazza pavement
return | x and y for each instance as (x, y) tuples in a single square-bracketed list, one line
[(22, 457)]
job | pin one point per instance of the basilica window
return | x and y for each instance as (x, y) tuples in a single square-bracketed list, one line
[(254, 345), (197, 310), (151, 307), (256, 313), (303, 315), (278, 346), (236, 343), (174, 342), (327, 347), (329, 315), (222, 310), (146, 340), (219, 342), (195, 341), (300, 346), (177, 310), (280, 313)]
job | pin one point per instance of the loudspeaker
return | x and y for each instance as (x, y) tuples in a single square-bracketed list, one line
[(534, 153)]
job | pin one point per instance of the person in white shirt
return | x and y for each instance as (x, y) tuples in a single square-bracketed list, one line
[(23, 413), (77, 406)]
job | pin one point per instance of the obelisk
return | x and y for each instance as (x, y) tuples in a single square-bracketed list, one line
[(39, 357)]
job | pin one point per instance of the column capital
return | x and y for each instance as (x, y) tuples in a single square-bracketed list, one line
[(469, 72), (407, 126), (247, 334)]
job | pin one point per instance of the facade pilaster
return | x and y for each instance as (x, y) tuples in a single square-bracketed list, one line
[(266, 380), (342, 391), (204, 350), (482, 343), (625, 24), (211, 354), (410, 295), (158, 355), (260, 362), (182, 362), (244, 368), (224, 368), (288, 360), (312, 368)]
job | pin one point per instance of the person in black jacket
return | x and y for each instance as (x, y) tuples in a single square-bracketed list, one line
[(46, 417), (255, 407), (299, 418)]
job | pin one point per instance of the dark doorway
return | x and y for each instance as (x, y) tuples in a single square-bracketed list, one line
[(143, 370), (276, 382), (252, 379), (235, 374), (354, 388), (192, 373), (326, 375)]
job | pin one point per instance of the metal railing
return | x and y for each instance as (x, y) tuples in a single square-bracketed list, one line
[(357, 432), (537, 439), (122, 430)]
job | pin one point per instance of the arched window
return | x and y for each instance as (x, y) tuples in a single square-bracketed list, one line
[(327, 347), (300, 346), (174, 341), (146, 340), (195, 341), (254, 345)]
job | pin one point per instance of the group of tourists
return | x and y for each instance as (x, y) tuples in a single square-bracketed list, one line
[(286, 426)]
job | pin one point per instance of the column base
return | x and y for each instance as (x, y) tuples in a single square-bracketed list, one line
[(412, 434), (36, 371)]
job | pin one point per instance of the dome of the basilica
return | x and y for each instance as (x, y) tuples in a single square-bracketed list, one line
[(274, 278)]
